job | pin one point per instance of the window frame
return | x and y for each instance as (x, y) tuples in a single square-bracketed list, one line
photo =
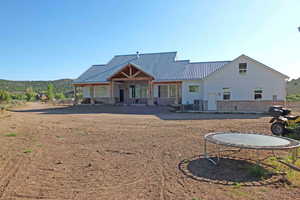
[(258, 91), (243, 68), (226, 91), (195, 86)]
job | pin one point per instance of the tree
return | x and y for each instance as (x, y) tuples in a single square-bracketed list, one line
[(30, 94), (50, 92), (4, 95), (60, 96)]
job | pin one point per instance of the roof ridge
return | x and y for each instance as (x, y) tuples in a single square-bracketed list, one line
[(210, 61), (147, 53), (99, 65)]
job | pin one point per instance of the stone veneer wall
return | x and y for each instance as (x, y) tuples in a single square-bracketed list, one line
[(102, 100), (251, 106), (164, 101)]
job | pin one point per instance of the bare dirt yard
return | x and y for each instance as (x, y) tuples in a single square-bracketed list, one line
[(97, 152)]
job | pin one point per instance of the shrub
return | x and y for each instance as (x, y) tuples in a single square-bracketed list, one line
[(60, 96), (50, 92), (30, 94), (4, 95)]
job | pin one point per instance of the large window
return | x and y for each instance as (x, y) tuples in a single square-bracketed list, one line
[(243, 68), (101, 91), (226, 94), (258, 94), (172, 90), (194, 88), (163, 91)]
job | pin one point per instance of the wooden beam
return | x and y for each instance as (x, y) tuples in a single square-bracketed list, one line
[(136, 73), (133, 79), (89, 84), (130, 70), (125, 74), (167, 82)]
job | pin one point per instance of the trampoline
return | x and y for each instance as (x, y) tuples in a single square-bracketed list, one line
[(249, 141)]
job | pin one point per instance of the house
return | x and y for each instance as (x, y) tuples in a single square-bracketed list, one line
[(242, 84)]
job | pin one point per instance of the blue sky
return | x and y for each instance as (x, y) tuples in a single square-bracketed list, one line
[(53, 39)]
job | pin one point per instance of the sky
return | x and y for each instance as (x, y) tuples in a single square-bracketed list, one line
[(55, 39)]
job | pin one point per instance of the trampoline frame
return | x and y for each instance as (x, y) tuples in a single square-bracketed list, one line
[(209, 138)]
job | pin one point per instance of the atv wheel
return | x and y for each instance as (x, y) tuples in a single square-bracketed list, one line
[(278, 129)]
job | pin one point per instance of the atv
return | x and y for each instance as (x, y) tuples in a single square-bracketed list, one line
[(282, 122)]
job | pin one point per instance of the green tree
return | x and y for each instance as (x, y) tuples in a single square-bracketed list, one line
[(4, 95), (50, 92), (60, 96), (30, 94)]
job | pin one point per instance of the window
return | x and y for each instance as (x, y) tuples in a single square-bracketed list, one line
[(172, 90), (274, 97), (137, 91), (258, 94), (243, 68), (226, 94), (101, 91), (163, 91), (194, 88), (132, 91)]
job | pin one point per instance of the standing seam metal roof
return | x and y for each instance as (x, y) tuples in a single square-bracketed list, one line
[(162, 66)]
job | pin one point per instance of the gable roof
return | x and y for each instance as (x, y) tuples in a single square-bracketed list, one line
[(253, 60), (162, 66)]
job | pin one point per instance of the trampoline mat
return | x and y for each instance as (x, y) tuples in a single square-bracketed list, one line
[(252, 141)]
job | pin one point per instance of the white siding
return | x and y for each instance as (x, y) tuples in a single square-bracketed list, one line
[(242, 86), (189, 97)]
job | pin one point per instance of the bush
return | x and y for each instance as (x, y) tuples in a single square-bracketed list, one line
[(293, 97), (20, 97), (5, 96), (60, 96), (30, 94), (50, 92)]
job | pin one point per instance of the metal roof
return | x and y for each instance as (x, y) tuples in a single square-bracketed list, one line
[(199, 70), (162, 66)]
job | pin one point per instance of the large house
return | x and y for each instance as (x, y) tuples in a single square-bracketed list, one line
[(242, 84)]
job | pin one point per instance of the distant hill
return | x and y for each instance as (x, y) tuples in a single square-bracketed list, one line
[(62, 85), (293, 87), (65, 85)]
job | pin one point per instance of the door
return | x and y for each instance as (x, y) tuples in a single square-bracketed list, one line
[(121, 95), (212, 104)]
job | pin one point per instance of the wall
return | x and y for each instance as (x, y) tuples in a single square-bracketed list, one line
[(189, 97), (253, 106), (242, 86)]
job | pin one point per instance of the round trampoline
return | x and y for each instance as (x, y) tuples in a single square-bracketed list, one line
[(249, 141)]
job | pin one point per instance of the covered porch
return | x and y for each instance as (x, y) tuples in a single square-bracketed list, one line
[(131, 86)]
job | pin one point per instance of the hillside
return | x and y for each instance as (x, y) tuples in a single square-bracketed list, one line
[(293, 87), (62, 85)]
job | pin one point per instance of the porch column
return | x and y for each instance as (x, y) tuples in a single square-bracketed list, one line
[(112, 97), (150, 93), (75, 95), (177, 94), (92, 90)]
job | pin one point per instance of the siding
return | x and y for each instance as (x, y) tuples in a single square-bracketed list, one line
[(189, 97), (242, 86)]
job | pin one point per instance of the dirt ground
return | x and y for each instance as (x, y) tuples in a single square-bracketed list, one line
[(97, 152)]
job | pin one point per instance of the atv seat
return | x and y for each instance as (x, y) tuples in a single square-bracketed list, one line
[(292, 117)]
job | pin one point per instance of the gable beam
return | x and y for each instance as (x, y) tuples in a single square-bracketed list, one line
[(136, 73), (125, 74)]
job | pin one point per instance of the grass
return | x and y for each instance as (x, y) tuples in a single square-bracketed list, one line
[(291, 175), (27, 151), (10, 135)]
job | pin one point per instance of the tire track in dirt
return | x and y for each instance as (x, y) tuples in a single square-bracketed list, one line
[(9, 172)]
